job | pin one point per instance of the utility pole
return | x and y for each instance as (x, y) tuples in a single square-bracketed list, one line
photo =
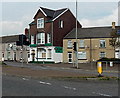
[(76, 52), (22, 50)]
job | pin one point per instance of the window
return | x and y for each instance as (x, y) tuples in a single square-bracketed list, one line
[(21, 55), (3, 55), (81, 55), (48, 38), (49, 53), (14, 47), (102, 54), (8, 55), (102, 43), (41, 53), (28, 55), (81, 44), (69, 44), (61, 24), (40, 23), (40, 39), (8, 47), (32, 39)]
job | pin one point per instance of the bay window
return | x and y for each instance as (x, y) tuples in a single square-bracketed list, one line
[(40, 38)]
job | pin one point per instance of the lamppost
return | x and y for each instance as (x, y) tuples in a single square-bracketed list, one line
[(76, 52), (33, 55)]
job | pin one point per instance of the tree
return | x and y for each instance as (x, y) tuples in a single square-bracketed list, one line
[(115, 40)]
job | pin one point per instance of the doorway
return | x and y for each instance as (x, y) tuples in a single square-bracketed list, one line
[(69, 57)]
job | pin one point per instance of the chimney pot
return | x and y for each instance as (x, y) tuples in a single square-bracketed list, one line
[(113, 25)]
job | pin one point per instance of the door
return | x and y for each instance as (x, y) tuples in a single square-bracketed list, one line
[(69, 57), (14, 56)]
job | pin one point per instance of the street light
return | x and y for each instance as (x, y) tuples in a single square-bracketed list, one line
[(76, 44)]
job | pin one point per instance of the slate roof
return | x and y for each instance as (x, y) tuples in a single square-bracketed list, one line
[(93, 32), (52, 13), (9, 39)]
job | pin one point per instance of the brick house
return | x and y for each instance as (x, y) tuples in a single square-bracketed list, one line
[(46, 33), (93, 44)]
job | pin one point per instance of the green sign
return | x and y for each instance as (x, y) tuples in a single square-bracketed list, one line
[(58, 49), (48, 44), (33, 45)]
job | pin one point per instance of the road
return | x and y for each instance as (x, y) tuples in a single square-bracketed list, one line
[(21, 86), (38, 67)]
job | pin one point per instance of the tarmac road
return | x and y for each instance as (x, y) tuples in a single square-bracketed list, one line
[(21, 86)]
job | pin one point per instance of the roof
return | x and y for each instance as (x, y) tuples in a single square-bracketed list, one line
[(9, 39), (93, 32), (53, 14)]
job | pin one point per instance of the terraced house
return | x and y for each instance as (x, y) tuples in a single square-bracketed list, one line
[(10, 51), (93, 44), (46, 34)]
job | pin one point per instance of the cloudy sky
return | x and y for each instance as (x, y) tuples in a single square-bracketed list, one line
[(16, 16)]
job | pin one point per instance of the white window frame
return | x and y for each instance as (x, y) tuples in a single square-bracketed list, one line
[(101, 53), (82, 43), (41, 37), (40, 54), (49, 53), (101, 42), (82, 55), (61, 23), (69, 44), (40, 23), (48, 38), (32, 39)]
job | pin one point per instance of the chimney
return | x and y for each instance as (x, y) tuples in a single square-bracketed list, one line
[(26, 31), (113, 25)]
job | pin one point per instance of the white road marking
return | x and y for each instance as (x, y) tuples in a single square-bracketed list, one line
[(25, 79), (70, 88), (45, 83), (102, 94)]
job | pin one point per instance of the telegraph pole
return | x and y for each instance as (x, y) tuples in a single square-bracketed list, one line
[(76, 52), (22, 50)]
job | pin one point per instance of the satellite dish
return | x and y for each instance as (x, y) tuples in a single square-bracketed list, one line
[(10, 45)]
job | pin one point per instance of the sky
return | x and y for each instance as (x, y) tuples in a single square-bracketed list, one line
[(16, 16)]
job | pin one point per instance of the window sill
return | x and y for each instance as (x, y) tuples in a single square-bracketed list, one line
[(81, 47), (102, 47), (49, 58), (40, 58), (69, 47), (82, 59), (40, 28)]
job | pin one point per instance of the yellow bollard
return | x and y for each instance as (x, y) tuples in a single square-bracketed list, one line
[(99, 68)]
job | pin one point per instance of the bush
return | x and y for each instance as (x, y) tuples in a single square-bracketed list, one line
[(115, 60)]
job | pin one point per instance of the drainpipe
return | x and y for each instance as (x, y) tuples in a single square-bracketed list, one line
[(29, 41), (91, 53), (52, 33)]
